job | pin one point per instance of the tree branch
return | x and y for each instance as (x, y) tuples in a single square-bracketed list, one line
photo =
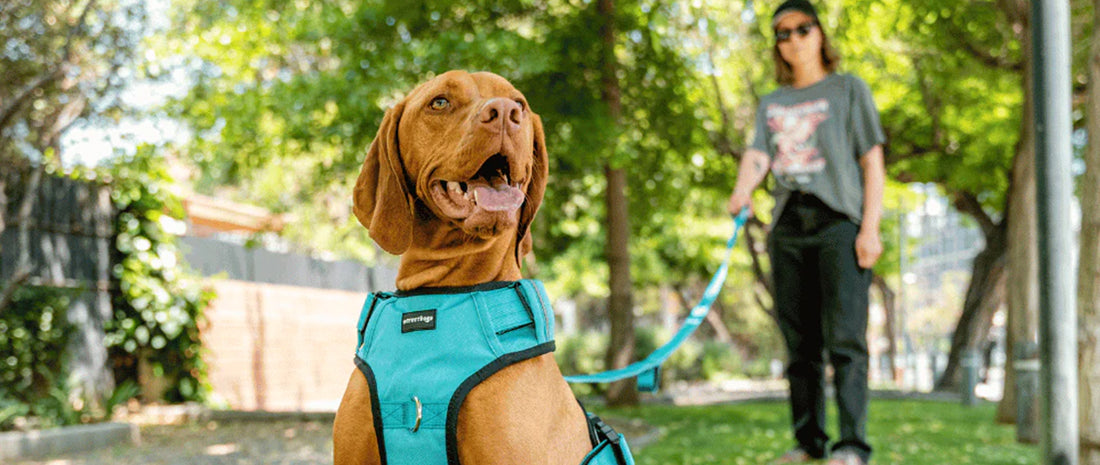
[(755, 252), (967, 44), (12, 106), (720, 139), (21, 276), (967, 203)]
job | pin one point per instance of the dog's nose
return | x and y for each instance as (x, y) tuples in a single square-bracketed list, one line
[(502, 109)]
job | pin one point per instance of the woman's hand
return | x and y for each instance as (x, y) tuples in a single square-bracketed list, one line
[(738, 201), (868, 248)]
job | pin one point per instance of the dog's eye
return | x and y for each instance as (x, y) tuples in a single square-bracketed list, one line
[(439, 103)]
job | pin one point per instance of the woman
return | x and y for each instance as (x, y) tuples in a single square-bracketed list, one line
[(820, 134)]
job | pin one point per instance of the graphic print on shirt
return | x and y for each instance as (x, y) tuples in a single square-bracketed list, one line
[(794, 133)]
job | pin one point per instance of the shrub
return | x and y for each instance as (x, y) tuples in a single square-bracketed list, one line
[(159, 309), (34, 335)]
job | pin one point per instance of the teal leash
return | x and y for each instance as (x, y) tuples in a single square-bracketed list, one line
[(648, 370)]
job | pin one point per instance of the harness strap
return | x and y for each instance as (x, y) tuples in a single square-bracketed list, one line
[(608, 439), (404, 415)]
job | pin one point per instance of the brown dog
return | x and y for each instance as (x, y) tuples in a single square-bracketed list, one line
[(451, 183)]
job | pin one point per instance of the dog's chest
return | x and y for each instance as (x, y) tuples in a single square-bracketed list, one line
[(422, 352)]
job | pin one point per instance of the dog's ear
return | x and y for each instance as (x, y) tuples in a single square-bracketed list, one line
[(382, 201), (536, 188)]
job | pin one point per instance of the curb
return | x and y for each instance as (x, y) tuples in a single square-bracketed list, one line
[(193, 413), (246, 416), (64, 440)]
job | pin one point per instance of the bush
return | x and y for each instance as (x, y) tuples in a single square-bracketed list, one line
[(159, 309), (584, 353), (34, 336), (579, 354), (720, 361)]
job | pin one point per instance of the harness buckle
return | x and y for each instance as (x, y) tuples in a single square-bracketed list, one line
[(419, 414)]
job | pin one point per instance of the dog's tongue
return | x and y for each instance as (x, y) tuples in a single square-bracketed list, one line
[(500, 198)]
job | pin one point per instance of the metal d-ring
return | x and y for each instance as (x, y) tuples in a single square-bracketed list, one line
[(419, 414)]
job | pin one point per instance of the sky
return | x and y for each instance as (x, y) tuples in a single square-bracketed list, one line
[(91, 142)]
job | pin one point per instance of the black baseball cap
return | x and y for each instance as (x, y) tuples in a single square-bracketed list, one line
[(790, 6)]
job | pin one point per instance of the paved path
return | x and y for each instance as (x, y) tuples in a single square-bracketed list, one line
[(214, 443), (279, 439), (248, 442)]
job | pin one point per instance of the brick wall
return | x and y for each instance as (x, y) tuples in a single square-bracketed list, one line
[(279, 347)]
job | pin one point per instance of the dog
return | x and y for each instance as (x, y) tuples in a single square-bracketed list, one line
[(451, 183)]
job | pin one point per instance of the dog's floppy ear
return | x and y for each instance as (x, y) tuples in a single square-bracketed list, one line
[(536, 188), (382, 201)]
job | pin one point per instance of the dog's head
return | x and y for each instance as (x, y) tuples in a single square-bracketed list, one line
[(463, 149)]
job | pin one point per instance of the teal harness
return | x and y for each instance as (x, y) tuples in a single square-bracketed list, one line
[(423, 351)]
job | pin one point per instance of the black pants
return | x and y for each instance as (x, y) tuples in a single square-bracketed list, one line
[(821, 297)]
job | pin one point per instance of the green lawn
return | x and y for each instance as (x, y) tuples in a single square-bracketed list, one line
[(901, 431)]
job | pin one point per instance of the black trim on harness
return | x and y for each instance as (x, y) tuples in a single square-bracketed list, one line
[(606, 433), (370, 312), (506, 331), (375, 406), (588, 423), (489, 286), (470, 383), (523, 300)]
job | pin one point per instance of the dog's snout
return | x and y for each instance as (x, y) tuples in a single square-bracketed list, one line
[(501, 111)]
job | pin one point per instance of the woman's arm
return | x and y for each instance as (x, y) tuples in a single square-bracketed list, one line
[(753, 169), (868, 243)]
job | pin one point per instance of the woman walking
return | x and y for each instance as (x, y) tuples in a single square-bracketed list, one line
[(820, 135)]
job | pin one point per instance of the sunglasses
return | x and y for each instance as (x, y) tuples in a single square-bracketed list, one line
[(803, 30)]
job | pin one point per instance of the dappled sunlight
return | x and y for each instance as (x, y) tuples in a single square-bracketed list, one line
[(222, 449)]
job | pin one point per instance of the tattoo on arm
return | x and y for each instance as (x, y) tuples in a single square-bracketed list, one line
[(759, 165)]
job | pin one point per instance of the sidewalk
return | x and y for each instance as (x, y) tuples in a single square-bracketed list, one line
[(748, 390), (216, 443), (201, 437)]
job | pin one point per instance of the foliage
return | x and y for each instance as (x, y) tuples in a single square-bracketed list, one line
[(35, 390), (159, 309), (583, 353), (34, 335), (285, 98), (901, 431), (64, 63)]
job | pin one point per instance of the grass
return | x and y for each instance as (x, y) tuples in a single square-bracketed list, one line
[(906, 432)]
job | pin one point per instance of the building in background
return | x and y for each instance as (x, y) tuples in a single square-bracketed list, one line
[(280, 335)]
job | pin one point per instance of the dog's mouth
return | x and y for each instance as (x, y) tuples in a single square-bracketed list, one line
[(491, 189)]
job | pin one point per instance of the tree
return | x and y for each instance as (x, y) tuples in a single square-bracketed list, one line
[(620, 305), (1088, 281), (63, 66), (959, 134)]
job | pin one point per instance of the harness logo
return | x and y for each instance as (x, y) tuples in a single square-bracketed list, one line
[(418, 321)]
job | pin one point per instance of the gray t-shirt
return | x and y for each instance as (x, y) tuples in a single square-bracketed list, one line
[(815, 137)]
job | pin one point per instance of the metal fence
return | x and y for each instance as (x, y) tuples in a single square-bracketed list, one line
[(64, 241), (212, 257)]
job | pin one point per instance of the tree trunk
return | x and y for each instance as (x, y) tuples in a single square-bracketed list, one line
[(1023, 254), (23, 267), (1088, 281), (981, 302), (620, 306), (889, 307)]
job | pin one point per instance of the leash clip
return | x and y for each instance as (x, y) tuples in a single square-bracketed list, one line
[(419, 414)]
